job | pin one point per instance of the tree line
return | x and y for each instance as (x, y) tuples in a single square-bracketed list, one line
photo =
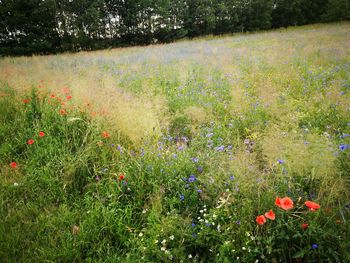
[(49, 26)]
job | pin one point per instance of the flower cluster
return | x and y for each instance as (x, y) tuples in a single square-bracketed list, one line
[(285, 203)]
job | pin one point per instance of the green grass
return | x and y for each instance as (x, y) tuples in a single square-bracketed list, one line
[(171, 152)]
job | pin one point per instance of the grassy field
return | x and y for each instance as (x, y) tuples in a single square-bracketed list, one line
[(222, 149)]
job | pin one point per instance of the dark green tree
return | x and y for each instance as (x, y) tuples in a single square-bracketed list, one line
[(287, 13), (28, 26), (337, 10)]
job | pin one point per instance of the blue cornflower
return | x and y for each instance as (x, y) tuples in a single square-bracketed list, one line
[(280, 161), (344, 135), (193, 224), (199, 191), (185, 139), (182, 197), (195, 160), (314, 246), (119, 148), (200, 169), (343, 147), (232, 177), (209, 135), (238, 222), (220, 148), (192, 178)]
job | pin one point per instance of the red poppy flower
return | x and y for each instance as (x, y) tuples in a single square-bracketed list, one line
[(63, 112), (312, 205), (260, 220), (25, 101), (121, 177), (30, 141), (287, 203), (13, 164), (270, 215), (53, 95), (69, 97), (304, 226), (105, 134), (41, 134), (278, 202)]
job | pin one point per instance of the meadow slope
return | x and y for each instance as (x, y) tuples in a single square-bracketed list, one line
[(220, 149)]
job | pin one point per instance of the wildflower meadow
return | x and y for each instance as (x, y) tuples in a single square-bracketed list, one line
[(218, 149)]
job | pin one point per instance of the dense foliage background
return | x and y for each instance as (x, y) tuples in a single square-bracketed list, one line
[(46, 26)]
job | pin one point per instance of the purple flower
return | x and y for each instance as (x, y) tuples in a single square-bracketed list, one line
[(343, 147), (344, 135), (192, 178), (232, 177), (193, 224), (199, 191), (185, 139), (182, 197), (209, 135), (97, 178), (200, 169), (280, 161), (220, 148), (195, 160), (314, 246), (120, 148)]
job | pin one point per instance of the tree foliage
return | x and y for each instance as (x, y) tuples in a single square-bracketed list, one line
[(46, 26)]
